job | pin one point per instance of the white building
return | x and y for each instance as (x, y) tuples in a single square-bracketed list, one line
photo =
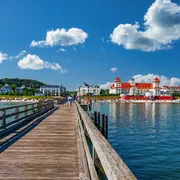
[(53, 90), (20, 89), (5, 89), (91, 89), (172, 89), (133, 88)]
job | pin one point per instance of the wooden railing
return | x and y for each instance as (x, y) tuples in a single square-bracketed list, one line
[(103, 153), (101, 122), (14, 115)]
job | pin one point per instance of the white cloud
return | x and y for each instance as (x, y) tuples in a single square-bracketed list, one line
[(3, 56), (62, 50), (106, 85), (31, 62), (162, 28), (164, 81), (37, 43), (114, 69), (19, 55), (62, 37), (34, 62)]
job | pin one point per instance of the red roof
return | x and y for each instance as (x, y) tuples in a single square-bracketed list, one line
[(117, 80), (126, 85), (144, 85), (174, 87), (156, 79)]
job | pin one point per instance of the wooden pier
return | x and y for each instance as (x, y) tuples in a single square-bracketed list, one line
[(52, 146)]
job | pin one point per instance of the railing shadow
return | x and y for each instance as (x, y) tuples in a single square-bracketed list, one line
[(19, 134)]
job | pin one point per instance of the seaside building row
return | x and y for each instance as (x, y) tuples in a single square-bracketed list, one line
[(131, 88), (144, 89), (54, 90)]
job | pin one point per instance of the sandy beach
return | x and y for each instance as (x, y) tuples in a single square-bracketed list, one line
[(18, 100)]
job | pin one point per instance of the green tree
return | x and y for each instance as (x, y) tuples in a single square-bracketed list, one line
[(25, 91), (13, 87), (89, 94), (75, 93), (176, 94), (107, 91), (102, 91), (20, 82), (6, 80)]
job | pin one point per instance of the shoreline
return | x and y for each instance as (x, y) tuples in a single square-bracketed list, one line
[(19, 100), (138, 101), (22, 99)]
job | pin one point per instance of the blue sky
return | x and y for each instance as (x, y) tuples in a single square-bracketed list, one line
[(90, 56)]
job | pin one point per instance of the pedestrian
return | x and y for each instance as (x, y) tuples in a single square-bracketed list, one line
[(87, 100), (70, 99)]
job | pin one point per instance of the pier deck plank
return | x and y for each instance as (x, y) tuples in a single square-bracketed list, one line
[(49, 151)]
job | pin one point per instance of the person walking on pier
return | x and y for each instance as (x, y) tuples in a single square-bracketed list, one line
[(70, 100)]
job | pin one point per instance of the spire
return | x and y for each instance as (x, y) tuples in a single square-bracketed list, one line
[(156, 79), (117, 79)]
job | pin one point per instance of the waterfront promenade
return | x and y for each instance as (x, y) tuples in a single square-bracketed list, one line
[(49, 151), (51, 143)]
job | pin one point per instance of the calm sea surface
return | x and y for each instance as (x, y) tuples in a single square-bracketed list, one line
[(8, 104), (146, 136)]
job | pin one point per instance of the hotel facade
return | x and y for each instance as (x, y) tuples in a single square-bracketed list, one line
[(88, 89), (144, 89), (53, 90)]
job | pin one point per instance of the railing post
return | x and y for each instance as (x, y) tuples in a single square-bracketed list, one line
[(17, 113), (4, 118), (89, 107), (95, 156), (25, 110), (44, 105), (106, 127), (103, 128), (95, 118), (38, 107), (99, 120), (33, 108)]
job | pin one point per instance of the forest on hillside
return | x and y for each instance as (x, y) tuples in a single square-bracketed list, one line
[(19, 82)]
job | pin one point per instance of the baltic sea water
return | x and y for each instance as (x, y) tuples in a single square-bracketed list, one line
[(146, 136), (9, 104)]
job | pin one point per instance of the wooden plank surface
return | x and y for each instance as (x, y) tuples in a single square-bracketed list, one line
[(49, 151)]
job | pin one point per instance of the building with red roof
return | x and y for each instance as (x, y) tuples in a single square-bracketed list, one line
[(133, 88)]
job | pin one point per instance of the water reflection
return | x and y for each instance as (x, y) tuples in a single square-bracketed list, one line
[(146, 136)]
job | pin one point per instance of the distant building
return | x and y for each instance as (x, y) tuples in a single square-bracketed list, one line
[(20, 89), (172, 89), (53, 90), (88, 89), (39, 93), (5, 89), (133, 88)]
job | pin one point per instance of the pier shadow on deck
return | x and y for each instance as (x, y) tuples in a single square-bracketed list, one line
[(11, 137)]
